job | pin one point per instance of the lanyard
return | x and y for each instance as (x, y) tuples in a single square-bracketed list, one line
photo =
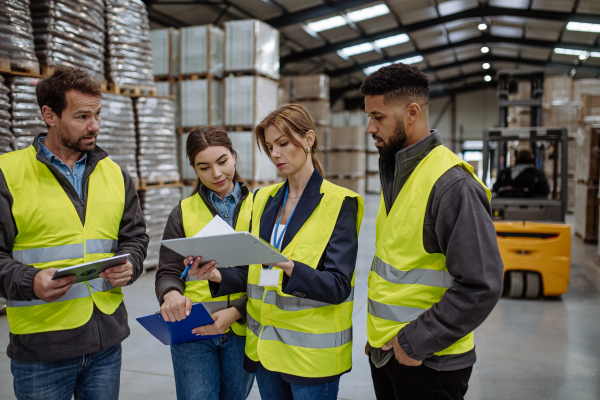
[(278, 242)]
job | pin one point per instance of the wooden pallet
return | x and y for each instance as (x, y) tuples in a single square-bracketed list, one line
[(132, 90), (165, 78), (195, 77), (239, 128), (7, 68), (190, 182), (145, 185), (250, 73)]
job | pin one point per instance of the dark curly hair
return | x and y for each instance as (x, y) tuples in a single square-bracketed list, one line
[(397, 81), (51, 90)]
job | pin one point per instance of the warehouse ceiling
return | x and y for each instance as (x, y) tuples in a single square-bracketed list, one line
[(459, 44)]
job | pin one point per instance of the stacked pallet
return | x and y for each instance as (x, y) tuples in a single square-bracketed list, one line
[(117, 132), (129, 48), (251, 87), (156, 141), (17, 50), (347, 161), (6, 136), (157, 204), (70, 33), (26, 117)]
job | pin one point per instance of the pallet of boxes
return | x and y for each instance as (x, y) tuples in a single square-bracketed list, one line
[(348, 156), (251, 93), (311, 92)]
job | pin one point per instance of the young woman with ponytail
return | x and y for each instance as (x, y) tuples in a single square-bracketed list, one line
[(299, 335), (209, 369)]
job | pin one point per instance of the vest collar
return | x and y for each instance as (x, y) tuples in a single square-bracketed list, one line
[(310, 199)]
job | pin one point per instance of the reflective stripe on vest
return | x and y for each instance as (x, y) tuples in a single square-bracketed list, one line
[(50, 234), (195, 215), (405, 281), (293, 335)]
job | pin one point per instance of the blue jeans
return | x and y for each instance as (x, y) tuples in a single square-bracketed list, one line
[(94, 376), (271, 386), (211, 369)]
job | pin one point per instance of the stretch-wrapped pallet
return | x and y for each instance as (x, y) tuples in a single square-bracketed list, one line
[(26, 117), (17, 49)]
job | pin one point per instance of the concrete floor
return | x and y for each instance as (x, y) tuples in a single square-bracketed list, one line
[(542, 349)]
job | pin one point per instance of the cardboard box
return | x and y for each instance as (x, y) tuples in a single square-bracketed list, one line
[(202, 50), (252, 46), (590, 108), (201, 102), (586, 212), (318, 110), (558, 90), (347, 163), (324, 138), (249, 99), (311, 87), (588, 148), (165, 51), (348, 138)]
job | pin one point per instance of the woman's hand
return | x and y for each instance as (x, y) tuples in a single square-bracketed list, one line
[(223, 320), (287, 267), (175, 306), (207, 272)]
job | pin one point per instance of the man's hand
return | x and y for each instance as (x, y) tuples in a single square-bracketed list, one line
[(175, 306), (207, 272), (48, 290), (223, 320), (367, 349), (400, 354), (119, 275), (286, 266)]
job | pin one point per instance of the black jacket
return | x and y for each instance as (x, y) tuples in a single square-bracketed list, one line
[(16, 280), (330, 282)]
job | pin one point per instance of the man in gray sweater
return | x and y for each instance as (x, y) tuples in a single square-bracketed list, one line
[(437, 272)]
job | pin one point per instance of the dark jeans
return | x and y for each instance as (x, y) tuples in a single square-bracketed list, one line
[(94, 376), (211, 369), (400, 382), (272, 387)]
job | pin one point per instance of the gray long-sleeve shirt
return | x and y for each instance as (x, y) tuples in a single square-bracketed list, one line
[(16, 280), (458, 224)]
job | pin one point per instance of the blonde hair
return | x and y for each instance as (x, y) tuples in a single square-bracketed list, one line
[(289, 119)]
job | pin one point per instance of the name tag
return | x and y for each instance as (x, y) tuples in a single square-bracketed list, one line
[(269, 277)]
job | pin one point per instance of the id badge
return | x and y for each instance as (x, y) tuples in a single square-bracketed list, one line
[(269, 277)]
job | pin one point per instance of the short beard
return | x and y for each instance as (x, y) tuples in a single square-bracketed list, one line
[(76, 145), (388, 151)]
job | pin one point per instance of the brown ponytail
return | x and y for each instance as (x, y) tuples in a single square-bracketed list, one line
[(201, 138), (290, 118)]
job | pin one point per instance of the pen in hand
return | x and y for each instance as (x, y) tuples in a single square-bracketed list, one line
[(185, 271)]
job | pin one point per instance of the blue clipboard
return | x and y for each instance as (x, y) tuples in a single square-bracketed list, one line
[(178, 331)]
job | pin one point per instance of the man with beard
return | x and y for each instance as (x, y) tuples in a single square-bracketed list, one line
[(437, 271), (63, 202)]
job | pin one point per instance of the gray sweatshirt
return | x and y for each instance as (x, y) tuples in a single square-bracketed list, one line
[(458, 224), (16, 280)]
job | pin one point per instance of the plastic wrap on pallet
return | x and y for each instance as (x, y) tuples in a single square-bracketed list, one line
[(129, 49), (165, 51), (564, 115), (201, 102), (249, 99), (251, 45), (17, 50), (69, 32), (324, 138), (339, 118), (586, 211), (186, 170), (311, 87), (202, 50), (252, 164), (157, 143), (6, 136), (157, 204), (117, 131), (26, 117), (318, 110), (357, 118)]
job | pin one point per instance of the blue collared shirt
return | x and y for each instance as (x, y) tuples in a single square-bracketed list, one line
[(75, 176), (226, 207)]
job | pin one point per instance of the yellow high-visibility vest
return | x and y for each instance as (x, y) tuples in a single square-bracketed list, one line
[(51, 235), (405, 280), (195, 215), (293, 335)]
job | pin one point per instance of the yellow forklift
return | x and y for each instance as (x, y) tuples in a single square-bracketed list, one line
[(533, 237)]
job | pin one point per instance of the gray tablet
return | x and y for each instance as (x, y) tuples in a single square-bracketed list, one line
[(90, 270)]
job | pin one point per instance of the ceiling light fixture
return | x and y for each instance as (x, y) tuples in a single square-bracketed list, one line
[(410, 60), (487, 78), (392, 40), (485, 49), (367, 13), (326, 24), (381, 43), (482, 26), (353, 50), (485, 65), (583, 27)]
